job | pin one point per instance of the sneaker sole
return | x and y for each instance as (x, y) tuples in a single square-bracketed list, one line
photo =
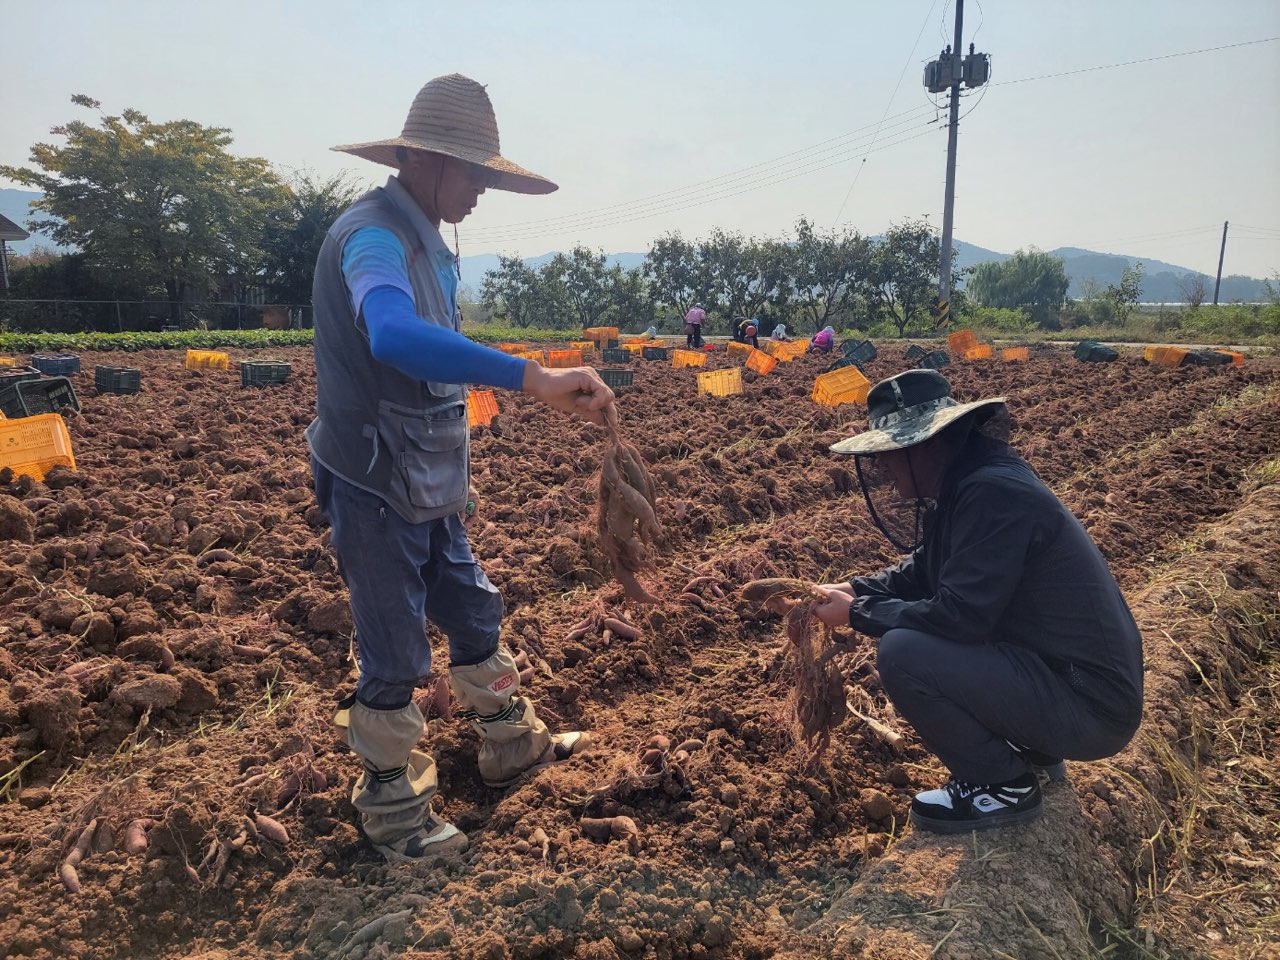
[(991, 822)]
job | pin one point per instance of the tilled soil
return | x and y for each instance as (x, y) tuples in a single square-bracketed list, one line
[(176, 634)]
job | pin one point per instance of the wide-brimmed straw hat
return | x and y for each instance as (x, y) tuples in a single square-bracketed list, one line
[(453, 115), (908, 409)]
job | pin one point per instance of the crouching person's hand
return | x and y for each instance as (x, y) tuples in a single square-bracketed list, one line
[(833, 611)]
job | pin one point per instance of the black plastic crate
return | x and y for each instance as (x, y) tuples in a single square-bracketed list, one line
[(26, 398), (611, 344), (56, 364), (845, 362), (614, 355), (259, 373), (1208, 358), (616, 379), (860, 350), (10, 375), (1091, 351), (117, 379), (934, 360), (915, 352), (655, 353)]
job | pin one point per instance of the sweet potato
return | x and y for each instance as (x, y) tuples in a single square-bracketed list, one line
[(624, 630), (271, 829), (626, 517), (67, 871), (135, 835)]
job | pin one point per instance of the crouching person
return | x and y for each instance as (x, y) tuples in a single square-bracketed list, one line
[(1004, 639), (389, 454)]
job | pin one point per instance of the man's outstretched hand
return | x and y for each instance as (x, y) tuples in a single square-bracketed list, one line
[(834, 610), (579, 391)]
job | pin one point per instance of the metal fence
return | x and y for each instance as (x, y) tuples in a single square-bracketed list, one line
[(127, 316)]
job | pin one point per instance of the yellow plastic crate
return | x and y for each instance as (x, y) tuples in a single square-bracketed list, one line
[(635, 348), (207, 360), (846, 385), (688, 358), (35, 445), (1165, 356), (601, 333), (736, 349), (8, 362), (536, 356), (564, 358), (482, 407), (960, 341), (979, 351), (1015, 353), (584, 345), (720, 383), (761, 362), (512, 347)]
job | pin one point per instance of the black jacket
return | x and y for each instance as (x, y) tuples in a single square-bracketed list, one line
[(1003, 561)]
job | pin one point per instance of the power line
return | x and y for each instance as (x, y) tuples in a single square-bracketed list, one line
[(858, 173), (1130, 63)]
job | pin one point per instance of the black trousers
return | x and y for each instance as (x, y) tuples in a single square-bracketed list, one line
[(968, 701)]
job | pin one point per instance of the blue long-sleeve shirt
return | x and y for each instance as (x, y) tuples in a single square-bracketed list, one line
[(377, 277)]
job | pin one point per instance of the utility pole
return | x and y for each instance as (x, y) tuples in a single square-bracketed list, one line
[(1222, 252), (948, 73)]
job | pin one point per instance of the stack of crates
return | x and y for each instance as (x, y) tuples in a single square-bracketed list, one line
[(117, 379), (736, 349), (259, 373), (207, 360), (616, 379), (847, 385), (602, 336), (1165, 356), (761, 362), (35, 445), (482, 407), (562, 359), (634, 348), (56, 364), (615, 355), (720, 383), (1015, 353), (688, 358)]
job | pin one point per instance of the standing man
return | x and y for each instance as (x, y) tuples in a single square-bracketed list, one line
[(1004, 639), (693, 326), (390, 458)]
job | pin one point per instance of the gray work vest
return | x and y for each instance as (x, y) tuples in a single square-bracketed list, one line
[(390, 434)]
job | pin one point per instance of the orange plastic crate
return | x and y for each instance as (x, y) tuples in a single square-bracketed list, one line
[(207, 360), (512, 347), (564, 358), (979, 351), (761, 362), (960, 341), (688, 358), (35, 445), (1165, 356), (1015, 353), (739, 349), (482, 407), (537, 356), (720, 383), (846, 385), (632, 341), (1237, 359), (601, 333)]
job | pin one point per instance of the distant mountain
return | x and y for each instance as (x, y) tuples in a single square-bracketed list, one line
[(1160, 281)]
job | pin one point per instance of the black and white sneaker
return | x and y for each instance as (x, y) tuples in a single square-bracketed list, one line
[(958, 807)]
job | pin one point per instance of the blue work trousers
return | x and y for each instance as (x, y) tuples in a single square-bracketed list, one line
[(399, 575)]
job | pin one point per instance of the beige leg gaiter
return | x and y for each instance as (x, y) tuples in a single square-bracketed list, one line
[(514, 738), (394, 793)]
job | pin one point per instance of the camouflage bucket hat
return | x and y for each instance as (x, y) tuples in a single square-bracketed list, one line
[(906, 410)]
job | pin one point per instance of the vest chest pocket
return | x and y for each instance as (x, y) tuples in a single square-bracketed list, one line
[(429, 453)]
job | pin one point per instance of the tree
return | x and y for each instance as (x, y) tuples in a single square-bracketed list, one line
[(633, 299), (904, 265), (830, 270), (163, 202), (1193, 288), (293, 236), (675, 274), (1123, 296), (517, 293), (1030, 278), (586, 281), (744, 274)]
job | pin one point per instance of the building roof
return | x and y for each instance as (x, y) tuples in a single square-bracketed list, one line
[(10, 230)]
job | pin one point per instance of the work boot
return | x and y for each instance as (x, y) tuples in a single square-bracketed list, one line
[(515, 743), (958, 807), (394, 792)]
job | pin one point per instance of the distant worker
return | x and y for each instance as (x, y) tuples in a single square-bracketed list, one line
[(650, 334), (1003, 637), (823, 340), (693, 321), (390, 462), (744, 331), (780, 334)]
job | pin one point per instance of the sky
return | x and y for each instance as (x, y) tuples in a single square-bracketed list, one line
[(743, 115)]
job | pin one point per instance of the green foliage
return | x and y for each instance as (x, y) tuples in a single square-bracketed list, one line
[(519, 295), (1124, 295), (1000, 320), (904, 274), (1031, 279), (585, 281), (675, 275), (295, 232), (178, 340), (743, 274), (164, 203), (830, 272)]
